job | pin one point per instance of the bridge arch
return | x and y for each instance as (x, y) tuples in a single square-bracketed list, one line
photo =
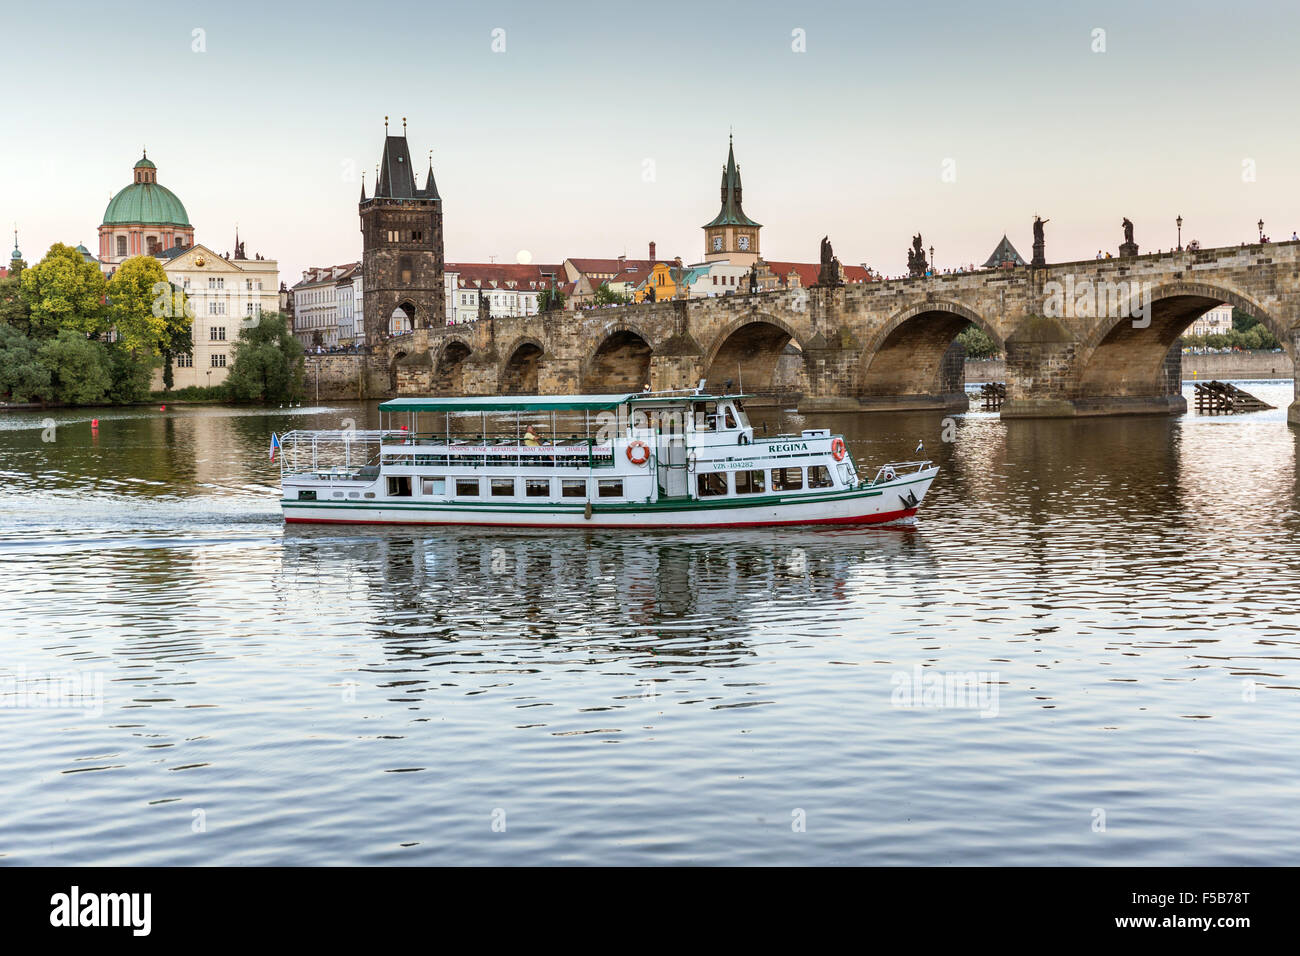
[(760, 354), (905, 357), (620, 361), (518, 374), (403, 318), (1123, 356), (449, 366)]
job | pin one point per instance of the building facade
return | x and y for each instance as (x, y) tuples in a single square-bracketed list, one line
[(223, 295), (509, 289), (401, 241), (1218, 321)]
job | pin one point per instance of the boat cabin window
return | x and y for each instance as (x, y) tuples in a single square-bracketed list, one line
[(609, 488), (714, 483), (749, 483), (819, 476), (847, 474), (537, 487), (305, 495), (467, 488), (573, 488), (787, 479), (503, 487), (433, 486), (706, 416), (399, 486)]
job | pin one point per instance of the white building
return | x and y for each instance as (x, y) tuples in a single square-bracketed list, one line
[(509, 289), (1215, 322), (223, 294), (349, 298), (316, 306)]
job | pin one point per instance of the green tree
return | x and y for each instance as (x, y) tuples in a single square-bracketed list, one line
[(64, 291), (267, 362), (22, 376), (13, 307), (550, 300), (607, 296), (152, 317), (130, 374), (978, 343), (79, 368)]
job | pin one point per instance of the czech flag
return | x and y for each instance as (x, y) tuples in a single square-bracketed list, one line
[(275, 444)]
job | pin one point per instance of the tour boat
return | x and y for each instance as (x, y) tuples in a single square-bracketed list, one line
[(678, 459)]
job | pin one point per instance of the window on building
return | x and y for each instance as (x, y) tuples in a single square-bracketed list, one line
[(217, 333), (404, 265), (121, 245), (185, 361), (218, 359)]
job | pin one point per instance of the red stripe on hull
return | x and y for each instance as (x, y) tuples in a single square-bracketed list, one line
[(881, 518)]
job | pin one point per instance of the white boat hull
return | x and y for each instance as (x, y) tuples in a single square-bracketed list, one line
[(870, 504)]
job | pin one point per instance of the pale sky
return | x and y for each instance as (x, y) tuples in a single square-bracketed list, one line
[(603, 125)]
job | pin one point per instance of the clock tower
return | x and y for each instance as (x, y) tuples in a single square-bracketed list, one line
[(731, 235)]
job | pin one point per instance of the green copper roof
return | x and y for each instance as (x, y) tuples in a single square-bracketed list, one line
[(146, 203), (731, 214), (145, 162)]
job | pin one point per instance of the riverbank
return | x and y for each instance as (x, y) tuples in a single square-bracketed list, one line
[(1233, 365)]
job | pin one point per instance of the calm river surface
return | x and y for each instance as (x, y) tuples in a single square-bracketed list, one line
[(1125, 592)]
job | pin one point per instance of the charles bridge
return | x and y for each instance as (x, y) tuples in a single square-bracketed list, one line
[(1096, 337)]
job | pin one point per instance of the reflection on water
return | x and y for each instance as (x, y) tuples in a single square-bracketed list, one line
[(1127, 588)]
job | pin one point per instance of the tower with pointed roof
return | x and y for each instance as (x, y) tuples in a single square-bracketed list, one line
[(731, 235), (401, 246)]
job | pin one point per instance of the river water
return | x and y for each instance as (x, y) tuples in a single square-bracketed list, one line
[(1085, 650)]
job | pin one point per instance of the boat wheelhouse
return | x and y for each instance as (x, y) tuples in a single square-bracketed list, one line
[(681, 459)]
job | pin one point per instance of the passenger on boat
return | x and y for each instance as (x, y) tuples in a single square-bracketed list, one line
[(530, 436)]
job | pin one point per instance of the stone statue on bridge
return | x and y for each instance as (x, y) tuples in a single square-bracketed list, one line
[(916, 264), (1129, 247), (831, 274), (1040, 243), (484, 306)]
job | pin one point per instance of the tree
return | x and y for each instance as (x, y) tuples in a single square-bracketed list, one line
[(550, 299), (152, 317), (13, 307), (978, 343), (267, 362), (607, 296), (22, 376), (78, 367), (130, 374), (64, 291)]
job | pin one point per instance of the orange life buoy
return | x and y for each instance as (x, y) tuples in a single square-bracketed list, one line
[(638, 459), (837, 449)]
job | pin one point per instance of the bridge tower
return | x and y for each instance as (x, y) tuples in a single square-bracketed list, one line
[(731, 235), (401, 243)]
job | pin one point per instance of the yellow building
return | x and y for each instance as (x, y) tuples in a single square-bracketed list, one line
[(223, 294)]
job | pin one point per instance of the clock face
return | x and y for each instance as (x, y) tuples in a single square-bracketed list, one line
[(744, 242), (717, 243)]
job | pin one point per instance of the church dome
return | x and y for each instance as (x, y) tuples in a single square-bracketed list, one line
[(146, 202)]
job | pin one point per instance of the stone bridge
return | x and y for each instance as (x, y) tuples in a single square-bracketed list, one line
[(1081, 338)]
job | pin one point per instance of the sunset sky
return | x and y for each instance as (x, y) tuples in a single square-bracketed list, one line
[(603, 126)]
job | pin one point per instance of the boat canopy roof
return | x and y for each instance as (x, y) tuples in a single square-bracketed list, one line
[(539, 403)]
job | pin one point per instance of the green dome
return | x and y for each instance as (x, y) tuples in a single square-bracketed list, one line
[(146, 203), (145, 162)]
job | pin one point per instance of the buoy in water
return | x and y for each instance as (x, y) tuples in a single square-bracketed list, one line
[(94, 423), (162, 408)]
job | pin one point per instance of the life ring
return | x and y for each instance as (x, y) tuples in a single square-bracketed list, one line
[(638, 459), (838, 450)]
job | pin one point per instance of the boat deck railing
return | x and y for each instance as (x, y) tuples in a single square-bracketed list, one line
[(496, 451), (892, 470)]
